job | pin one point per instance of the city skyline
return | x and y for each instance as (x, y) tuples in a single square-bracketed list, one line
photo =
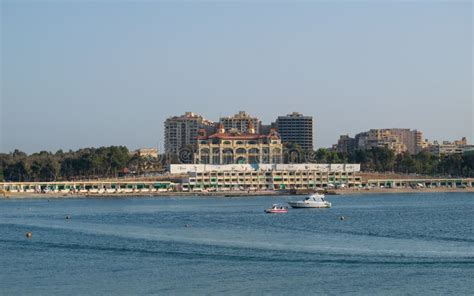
[(212, 126), (351, 66)]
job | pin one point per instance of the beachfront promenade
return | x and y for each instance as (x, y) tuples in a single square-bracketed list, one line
[(421, 182), (88, 187), (129, 187)]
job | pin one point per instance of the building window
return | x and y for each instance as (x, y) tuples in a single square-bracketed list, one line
[(241, 151), (241, 160), (228, 156), (254, 155)]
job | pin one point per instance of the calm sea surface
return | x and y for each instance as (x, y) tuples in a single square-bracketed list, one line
[(388, 244)]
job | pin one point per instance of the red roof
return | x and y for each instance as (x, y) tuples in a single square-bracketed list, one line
[(237, 136)]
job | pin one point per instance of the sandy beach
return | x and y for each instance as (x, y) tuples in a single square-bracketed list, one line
[(357, 191), (402, 190)]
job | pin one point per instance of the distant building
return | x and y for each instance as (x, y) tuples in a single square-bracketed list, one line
[(345, 144), (182, 131), (462, 142), (396, 139), (234, 147), (468, 150), (380, 138), (296, 128), (446, 148), (147, 152), (240, 121), (266, 128), (449, 148)]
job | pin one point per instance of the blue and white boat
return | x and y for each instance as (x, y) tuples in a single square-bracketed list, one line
[(313, 201)]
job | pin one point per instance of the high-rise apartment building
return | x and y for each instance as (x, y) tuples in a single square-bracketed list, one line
[(396, 139), (345, 144), (296, 128), (240, 122), (182, 131)]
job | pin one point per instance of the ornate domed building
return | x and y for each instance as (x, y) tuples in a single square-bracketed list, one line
[(235, 147)]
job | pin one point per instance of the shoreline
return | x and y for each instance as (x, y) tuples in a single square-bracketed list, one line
[(342, 192), (403, 190)]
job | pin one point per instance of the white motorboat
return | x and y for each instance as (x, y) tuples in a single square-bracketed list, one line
[(313, 201)]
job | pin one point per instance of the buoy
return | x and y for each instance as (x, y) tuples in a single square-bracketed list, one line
[(29, 234), (342, 218)]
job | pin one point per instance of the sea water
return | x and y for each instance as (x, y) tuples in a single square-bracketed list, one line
[(391, 244)]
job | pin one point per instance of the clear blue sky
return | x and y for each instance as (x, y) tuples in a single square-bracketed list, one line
[(79, 74)]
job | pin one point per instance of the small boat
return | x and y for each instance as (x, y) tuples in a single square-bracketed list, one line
[(277, 208), (313, 201)]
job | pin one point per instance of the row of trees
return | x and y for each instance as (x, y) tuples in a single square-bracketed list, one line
[(110, 161), (83, 163), (385, 160), (423, 163)]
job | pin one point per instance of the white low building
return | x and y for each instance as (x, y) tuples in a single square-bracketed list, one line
[(267, 176), (188, 168)]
